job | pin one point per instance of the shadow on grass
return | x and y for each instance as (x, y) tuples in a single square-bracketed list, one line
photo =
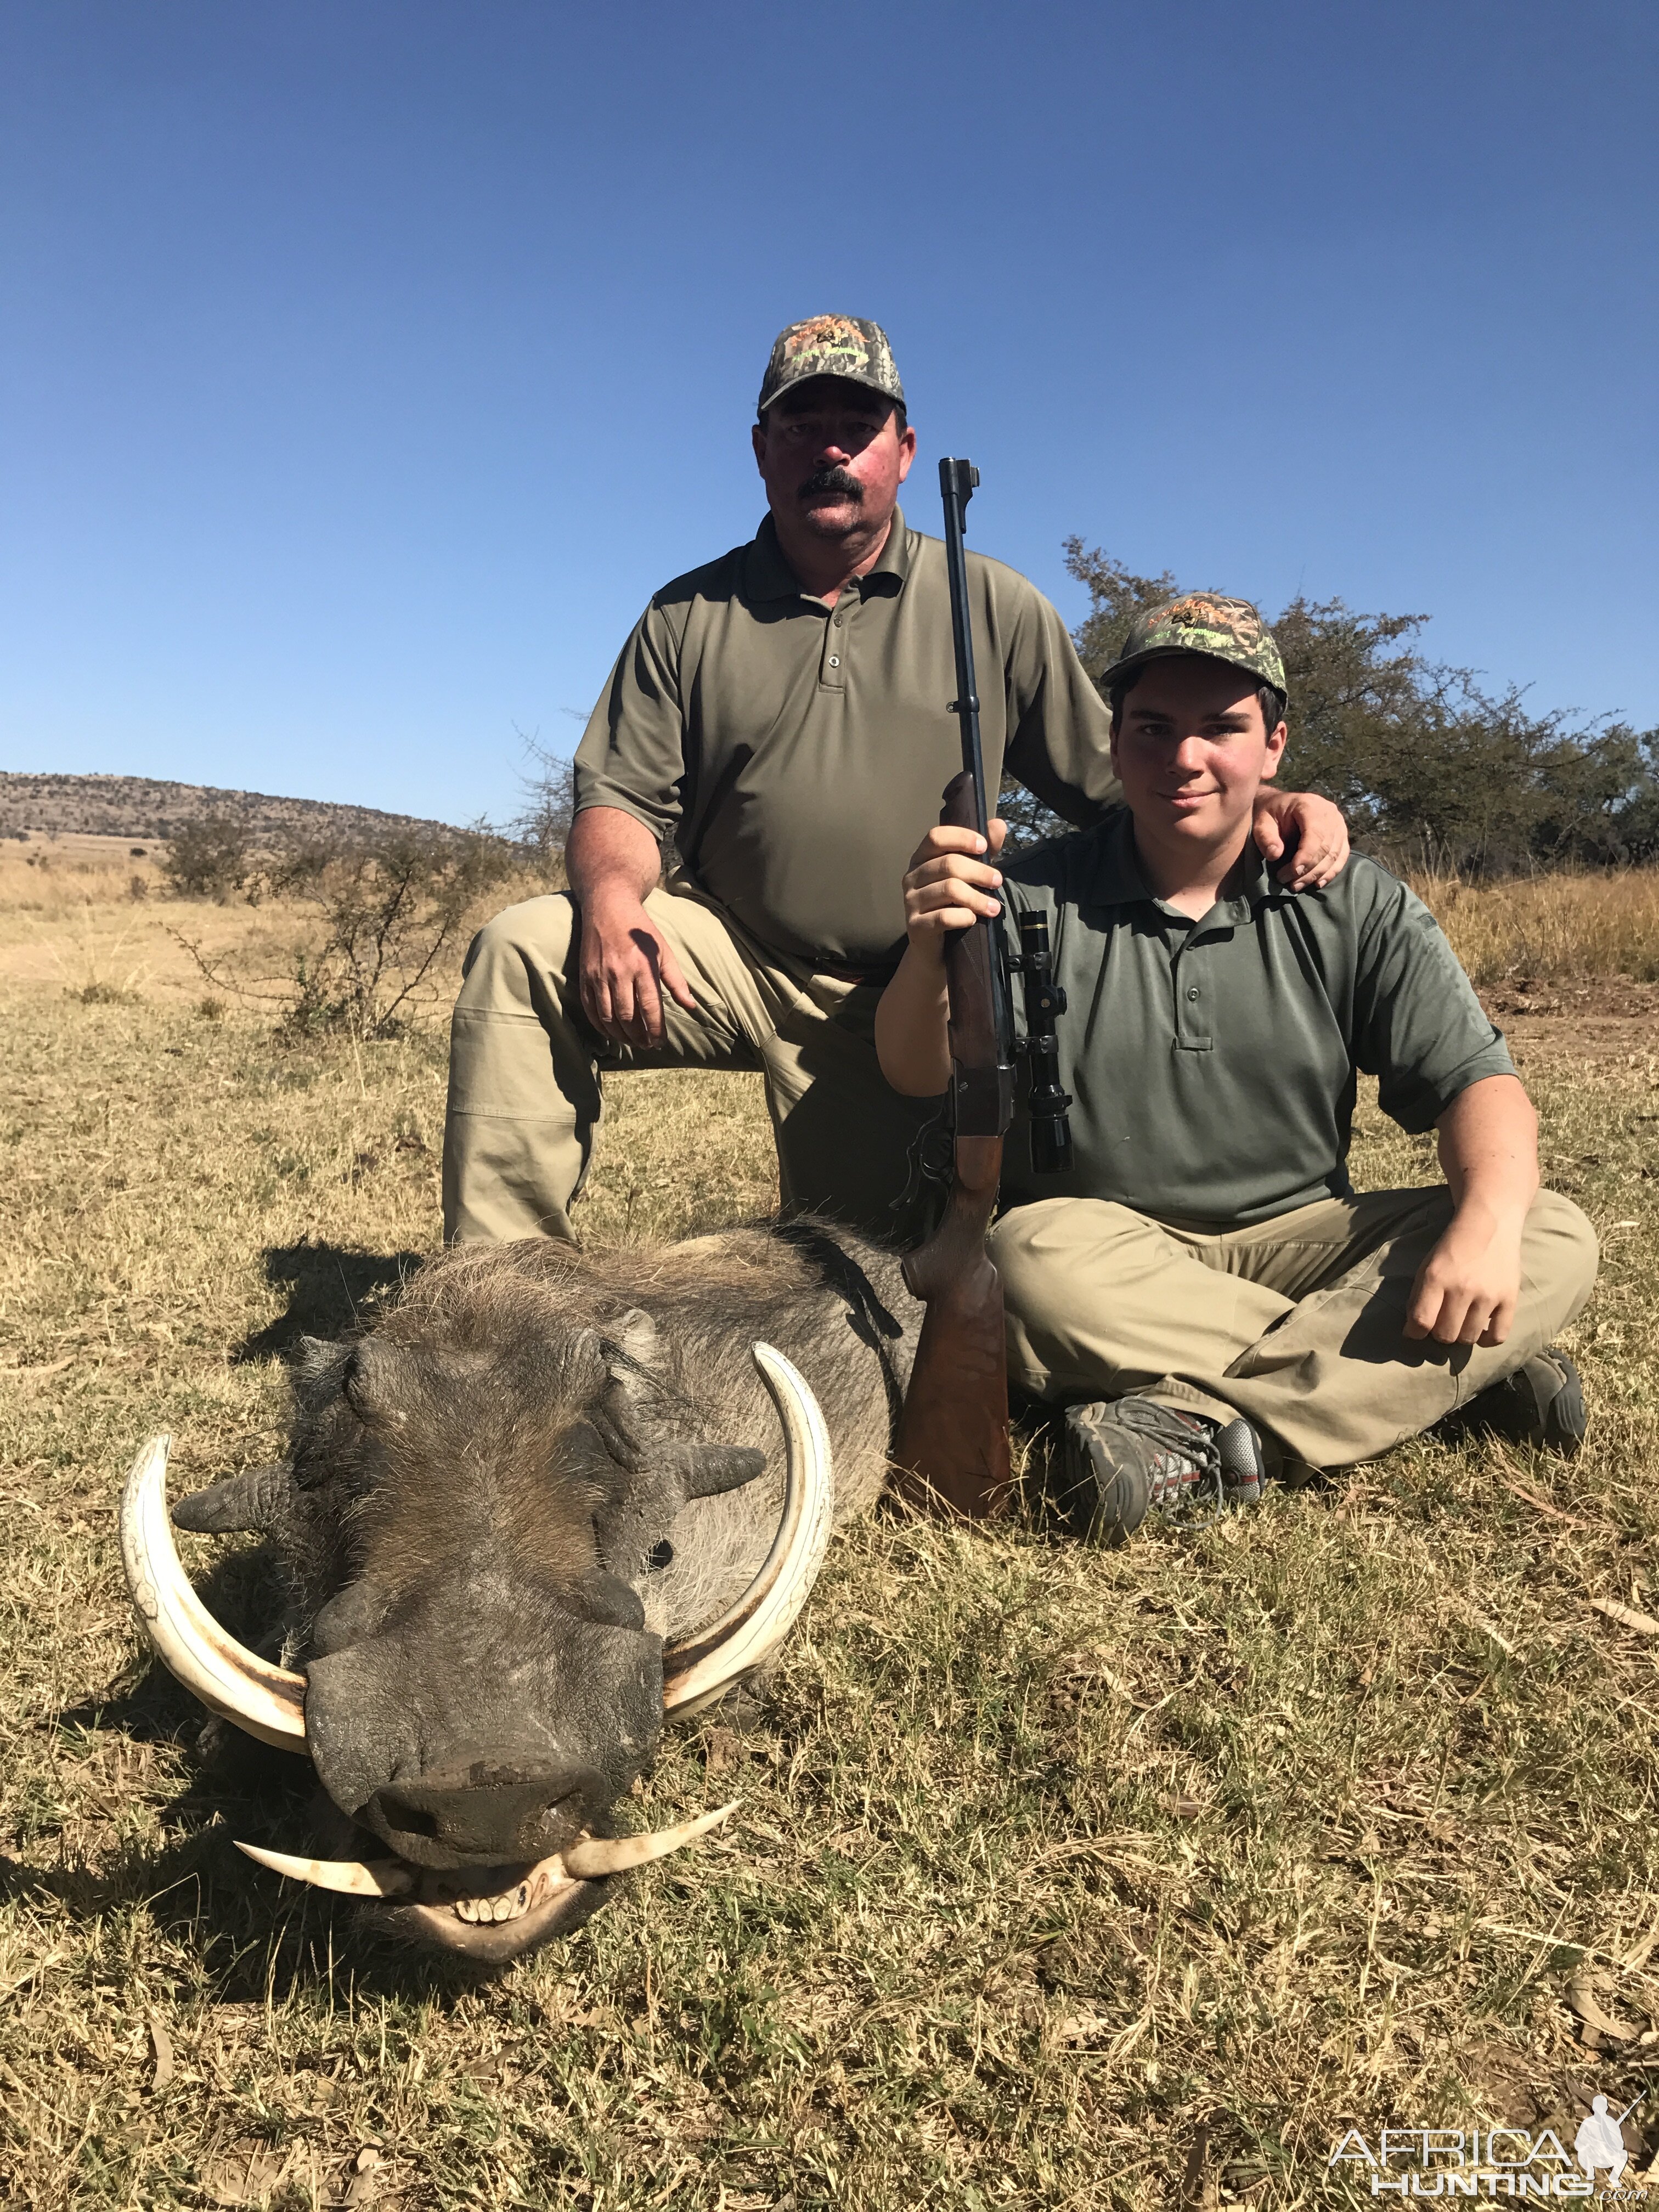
[(251, 1931), (329, 1288)]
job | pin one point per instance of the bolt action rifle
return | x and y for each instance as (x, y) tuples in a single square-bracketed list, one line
[(953, 1432)]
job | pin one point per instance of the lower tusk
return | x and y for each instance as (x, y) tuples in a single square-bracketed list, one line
[(697, 1670), (590, 1859), (600, 1855), (350, 1877), (266, 1701)]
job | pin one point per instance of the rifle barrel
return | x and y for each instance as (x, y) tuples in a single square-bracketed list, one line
[(982, 1025), (956, 484)]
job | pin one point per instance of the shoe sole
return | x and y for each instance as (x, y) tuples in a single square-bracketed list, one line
[(1564, 1421), (1541, 1404)]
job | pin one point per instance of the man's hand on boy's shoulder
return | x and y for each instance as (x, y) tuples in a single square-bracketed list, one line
[(1305, 834)]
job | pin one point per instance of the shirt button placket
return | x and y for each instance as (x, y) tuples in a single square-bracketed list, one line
[(832, 671), (1194, 1012)]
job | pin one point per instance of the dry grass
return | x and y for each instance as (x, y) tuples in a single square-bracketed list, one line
[(1568, 928), (1061, 1880)]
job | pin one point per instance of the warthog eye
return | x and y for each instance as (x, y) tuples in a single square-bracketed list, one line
[(660, 1555)]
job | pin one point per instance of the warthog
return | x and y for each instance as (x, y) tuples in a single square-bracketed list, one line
[(546, 1500)]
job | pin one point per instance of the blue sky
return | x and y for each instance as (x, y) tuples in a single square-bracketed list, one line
[(364, 366)]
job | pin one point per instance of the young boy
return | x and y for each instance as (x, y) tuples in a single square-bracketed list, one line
[(1205, 1291)]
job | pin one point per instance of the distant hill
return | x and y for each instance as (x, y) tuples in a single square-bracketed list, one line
[(140, 806)]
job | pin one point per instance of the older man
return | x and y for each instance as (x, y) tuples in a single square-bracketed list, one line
[(783, 716)]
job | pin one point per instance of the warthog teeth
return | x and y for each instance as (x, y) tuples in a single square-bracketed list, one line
[(350, 1877), (511, 1904)]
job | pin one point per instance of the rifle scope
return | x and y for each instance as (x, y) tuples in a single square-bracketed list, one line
[(1045, 1102)]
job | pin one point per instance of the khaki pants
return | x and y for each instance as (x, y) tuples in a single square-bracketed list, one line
[(524, 1071), (1295, 1323)]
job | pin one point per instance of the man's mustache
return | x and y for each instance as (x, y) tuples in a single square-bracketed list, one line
[(832, 479)]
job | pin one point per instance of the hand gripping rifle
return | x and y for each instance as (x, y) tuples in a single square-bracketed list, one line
[(953, 1432)]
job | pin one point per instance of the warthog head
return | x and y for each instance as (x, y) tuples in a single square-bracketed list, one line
[(522, 1520)]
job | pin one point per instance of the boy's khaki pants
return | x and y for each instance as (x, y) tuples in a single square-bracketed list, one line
[(1296, 1323), (524, 1071)]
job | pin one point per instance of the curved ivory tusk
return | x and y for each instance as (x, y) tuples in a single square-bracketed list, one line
[(590, 1859), (698, 1669), (266, 1701), (597, 1855), (350, 1877)]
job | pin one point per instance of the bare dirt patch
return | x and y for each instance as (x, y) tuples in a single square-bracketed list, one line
[(1611, 1019)]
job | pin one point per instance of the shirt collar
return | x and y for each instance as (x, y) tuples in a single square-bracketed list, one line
[(895, 561), (1118, 879), (1259, 884), (768, 574)]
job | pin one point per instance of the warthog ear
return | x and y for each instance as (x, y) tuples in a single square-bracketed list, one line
[(251, 1500), (636, 1339), (630, 1411), (315, 1367), (632, 1425), (369, 1382), (314, 1364)]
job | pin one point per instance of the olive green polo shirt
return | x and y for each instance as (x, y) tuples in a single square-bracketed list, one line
[(1212, 1063), (796, 751)]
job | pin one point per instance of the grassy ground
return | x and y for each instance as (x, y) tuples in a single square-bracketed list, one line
[(1061, 1880)]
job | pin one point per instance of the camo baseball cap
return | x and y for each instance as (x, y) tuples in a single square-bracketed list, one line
[(831, 345), (1207, 623)]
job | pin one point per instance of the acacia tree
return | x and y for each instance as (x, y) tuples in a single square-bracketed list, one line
[(388, 906), (208, 858), (1116, 596), (391, 906), (1425, 765), (542, 824)]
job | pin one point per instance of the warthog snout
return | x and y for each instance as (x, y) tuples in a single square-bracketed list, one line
[(494, 1812), (491, 1723)]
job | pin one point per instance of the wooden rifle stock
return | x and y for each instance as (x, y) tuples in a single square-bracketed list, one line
[(953, 1433)]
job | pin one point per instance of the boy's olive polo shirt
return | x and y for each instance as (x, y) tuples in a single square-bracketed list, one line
[(1212, 1063), (798, 750)]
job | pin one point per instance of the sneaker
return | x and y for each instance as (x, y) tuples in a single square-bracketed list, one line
[(1542, 1403), (1119, 1463)]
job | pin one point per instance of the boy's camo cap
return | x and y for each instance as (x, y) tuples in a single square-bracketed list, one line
[(831, 345), (1207, 623)]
